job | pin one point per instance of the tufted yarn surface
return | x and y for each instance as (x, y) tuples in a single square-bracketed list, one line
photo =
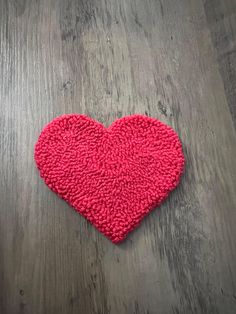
[(112, 176)]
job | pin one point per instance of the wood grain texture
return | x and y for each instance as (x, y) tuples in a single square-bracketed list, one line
[(109, 59), (221, 17)]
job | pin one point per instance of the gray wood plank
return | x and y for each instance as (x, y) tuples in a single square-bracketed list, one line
[(221, 18), (109, 59)]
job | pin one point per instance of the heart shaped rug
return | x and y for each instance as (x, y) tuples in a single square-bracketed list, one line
[(112, 176)]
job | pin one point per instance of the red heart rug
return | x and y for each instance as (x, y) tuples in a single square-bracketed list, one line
[(112, 176)]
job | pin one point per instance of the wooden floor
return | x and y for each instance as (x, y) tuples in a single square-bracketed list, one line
[(173, 60)]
